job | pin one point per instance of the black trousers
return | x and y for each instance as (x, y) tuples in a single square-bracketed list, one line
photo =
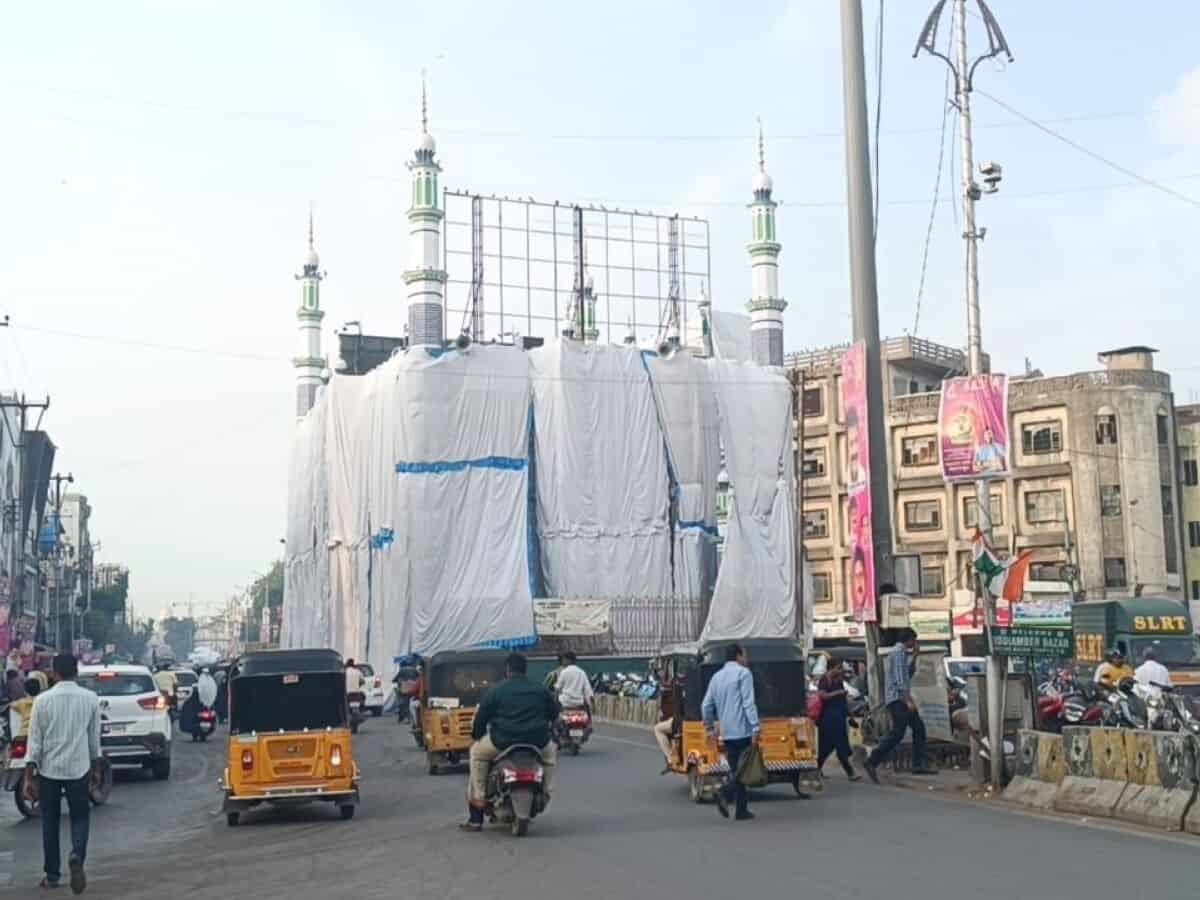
[(903, 719), (834, 738), (734, 789), (50, 794)]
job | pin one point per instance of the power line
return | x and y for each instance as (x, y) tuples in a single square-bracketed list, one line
[(1148, 182)]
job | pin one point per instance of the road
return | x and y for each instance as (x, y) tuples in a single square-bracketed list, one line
[(616, 829)]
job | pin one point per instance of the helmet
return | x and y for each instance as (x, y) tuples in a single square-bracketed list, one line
[(1114, 653)]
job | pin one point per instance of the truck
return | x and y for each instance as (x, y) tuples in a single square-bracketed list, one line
[(1134, 625)]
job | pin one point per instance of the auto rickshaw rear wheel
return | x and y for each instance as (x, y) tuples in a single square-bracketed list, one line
[(695, 786), (347, 811), (800, 792), (232, 818), (431, 763)]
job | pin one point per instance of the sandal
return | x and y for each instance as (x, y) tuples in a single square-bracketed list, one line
[(47, 885)]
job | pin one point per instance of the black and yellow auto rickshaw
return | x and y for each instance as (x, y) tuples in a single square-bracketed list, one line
[(289, 734), (789, 737), (452, 684)]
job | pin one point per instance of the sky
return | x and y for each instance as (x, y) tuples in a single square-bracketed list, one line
[(160, 159)]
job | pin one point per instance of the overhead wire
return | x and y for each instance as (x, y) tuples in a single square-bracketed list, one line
[(878, 115)]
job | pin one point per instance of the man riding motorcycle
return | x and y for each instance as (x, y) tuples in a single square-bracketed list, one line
[(515, 711)]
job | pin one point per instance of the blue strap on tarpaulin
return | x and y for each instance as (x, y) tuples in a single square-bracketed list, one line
[(506, 463), (698, 524), (510, 643)]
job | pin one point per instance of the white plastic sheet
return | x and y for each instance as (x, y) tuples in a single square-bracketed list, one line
[(755, 592), (730, 336), (602, 499)]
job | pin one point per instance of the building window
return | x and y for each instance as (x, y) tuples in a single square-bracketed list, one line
[(1110, 500), (816, 523), (1106, 429), (1047, 571), (1164, 430), (920, 451), (1168, 501), (923, 515), (1196, 590), (1043, 507), (1191, 476), (814, 462), (1194, 534), (1114, 572), (1041, 437), (971, 509), (933, 574), (822, 587), (812, 402)]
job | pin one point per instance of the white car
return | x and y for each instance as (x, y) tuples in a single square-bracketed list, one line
[(374, 689), (134, 726)]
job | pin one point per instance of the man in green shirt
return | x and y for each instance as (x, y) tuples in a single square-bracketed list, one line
[(516, 711)]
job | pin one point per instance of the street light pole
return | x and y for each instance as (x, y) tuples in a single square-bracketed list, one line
[(964, 73)]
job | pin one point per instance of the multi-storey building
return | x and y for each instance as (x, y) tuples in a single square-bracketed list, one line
[(1187, 428), (1092, 489)]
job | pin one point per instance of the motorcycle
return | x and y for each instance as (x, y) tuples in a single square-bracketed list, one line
[(206, 725), (572, 729), (357, 716), (515, 788)]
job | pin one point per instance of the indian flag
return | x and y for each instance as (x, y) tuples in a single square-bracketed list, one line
[(1003, 577)]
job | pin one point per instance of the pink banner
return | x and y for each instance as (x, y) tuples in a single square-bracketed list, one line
[(858, 479), (973, 427)]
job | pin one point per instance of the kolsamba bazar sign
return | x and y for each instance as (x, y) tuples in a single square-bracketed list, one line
[(1029, 641)]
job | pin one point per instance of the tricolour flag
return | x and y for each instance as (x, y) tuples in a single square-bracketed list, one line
[(1003, 577)]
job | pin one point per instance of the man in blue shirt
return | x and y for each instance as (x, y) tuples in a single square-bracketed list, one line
[(730, 700), (898, 696)]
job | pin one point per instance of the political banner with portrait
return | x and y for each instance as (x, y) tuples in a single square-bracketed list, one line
[(973, 427), (861, 575)]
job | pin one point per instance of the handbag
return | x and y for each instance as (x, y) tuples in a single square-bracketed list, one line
[(816, 706), (752, 770)]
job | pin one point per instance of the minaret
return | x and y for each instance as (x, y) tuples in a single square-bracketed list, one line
[(310, 363), (766, 306), (591, 332), (426, 279)]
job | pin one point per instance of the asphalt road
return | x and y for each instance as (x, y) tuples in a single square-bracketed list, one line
[(616, 829)]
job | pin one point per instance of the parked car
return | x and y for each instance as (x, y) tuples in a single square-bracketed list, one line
[(134, 726), (374, 689)]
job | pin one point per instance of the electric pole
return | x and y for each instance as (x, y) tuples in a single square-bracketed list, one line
[(865, 308), (964, 75), (56, 563)]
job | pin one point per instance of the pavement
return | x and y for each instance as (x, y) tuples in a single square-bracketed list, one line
[(616, 829)]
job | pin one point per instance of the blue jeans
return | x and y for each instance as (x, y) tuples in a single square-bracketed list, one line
[(734, 789), (50, 793)]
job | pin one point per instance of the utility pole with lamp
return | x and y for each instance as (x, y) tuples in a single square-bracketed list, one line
[(963, 70)]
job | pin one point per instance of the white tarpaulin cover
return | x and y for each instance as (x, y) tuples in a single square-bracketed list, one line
[(687, 410), (755, 593), (602, 498), (730, 336)]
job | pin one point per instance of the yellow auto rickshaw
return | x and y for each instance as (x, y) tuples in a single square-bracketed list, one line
[(789, 737), (289, 734), (452, 684)]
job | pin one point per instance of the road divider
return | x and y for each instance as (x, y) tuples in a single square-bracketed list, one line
[(625, 710), (1144, 777)]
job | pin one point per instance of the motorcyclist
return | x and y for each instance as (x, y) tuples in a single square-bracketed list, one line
[(167, 684), (1114, 670), (354, 678), (515, 711), (572, 685), (206, 689)]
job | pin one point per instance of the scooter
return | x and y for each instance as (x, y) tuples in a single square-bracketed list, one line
[(99, 787), (206, 724), (355, 700), (515, 788), (572, 729)]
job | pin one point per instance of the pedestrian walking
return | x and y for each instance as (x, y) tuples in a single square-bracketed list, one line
[(730, 701), (64, 747), (832, 729), (898, 696)]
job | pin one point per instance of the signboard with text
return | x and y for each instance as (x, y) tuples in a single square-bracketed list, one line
[(1021, 640), (973, 427)]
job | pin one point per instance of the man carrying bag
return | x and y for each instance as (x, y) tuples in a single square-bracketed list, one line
[(730, 700)]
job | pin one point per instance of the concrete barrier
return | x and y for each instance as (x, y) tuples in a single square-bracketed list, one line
[(1097, 771), (626, 710), (1040, 770), (1162, 779)]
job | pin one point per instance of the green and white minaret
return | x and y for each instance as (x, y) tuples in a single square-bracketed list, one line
[(309, 364), (426, 279), (766, 306)]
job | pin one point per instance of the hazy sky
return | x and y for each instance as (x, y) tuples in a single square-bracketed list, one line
[(159, 159)]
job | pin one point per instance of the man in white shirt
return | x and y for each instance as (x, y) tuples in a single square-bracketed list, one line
[(573, 687), (1151, 672), (354, 678), (64, 745)]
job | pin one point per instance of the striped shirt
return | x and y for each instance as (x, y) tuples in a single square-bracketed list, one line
[(898, 675), (64, 732)]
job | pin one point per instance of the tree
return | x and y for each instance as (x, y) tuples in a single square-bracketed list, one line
[(269, 590), (111, 600)]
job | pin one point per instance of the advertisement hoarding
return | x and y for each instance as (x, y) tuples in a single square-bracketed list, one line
[(858, 477), (973, 427)]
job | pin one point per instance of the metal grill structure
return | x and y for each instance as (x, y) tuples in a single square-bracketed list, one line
[(519, 267)]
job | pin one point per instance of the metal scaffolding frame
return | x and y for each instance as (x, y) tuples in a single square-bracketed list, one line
[(529, 278)]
